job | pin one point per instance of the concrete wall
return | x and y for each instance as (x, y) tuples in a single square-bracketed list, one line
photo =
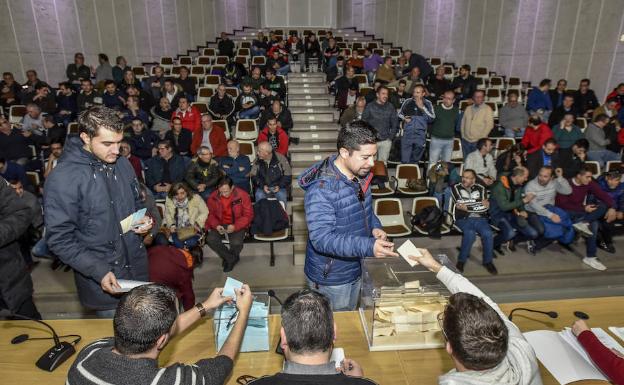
[(531, 39), (44, 34), (299, 13)]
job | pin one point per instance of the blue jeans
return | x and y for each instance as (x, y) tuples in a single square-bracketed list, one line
[(258, 52), (283, 70), (188, 244), (412, 149), (281, 195), (513, 134), (602, 156), (468, 147), (342, 297), (470, 227), (440, 149), (594, 219), (510, 229), (41, 250), (251, 113)]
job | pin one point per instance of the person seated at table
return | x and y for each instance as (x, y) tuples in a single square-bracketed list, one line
[(486, 348), (308, 333), (609, 361), (131, 356)]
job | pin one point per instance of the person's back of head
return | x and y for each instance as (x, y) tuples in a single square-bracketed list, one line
[(307, 323), (144, 318), (477, 337)]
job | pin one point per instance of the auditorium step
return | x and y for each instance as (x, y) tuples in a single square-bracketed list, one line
[(320, 102), (326, 117), (306, 89), (315, 126)]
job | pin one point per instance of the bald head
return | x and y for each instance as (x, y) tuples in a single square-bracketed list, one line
[(265, 151)]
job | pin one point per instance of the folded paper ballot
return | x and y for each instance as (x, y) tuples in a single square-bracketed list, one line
[(256, 337), (617, 331), (132, 220), (407, 249), (128, 284), (338, 356), (564, 357), (230, 285)]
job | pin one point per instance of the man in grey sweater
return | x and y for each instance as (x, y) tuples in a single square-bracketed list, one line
[(145, 321), (487, 350), (383, 117), (513, 117), (598, 141), (545, 187)]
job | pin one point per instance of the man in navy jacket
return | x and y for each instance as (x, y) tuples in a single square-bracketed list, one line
[(86, 196), (342, 227)]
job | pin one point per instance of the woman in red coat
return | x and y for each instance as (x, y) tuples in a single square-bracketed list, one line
[(275, 135)]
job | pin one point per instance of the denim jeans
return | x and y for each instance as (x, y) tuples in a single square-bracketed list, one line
[(510, 229), (283, 70), (468, 147), (258, 52), (513, 134), (187, 244), (440, 149), (470, 227), (251, 113), (41, 250), (602, 156), (281, 195), (342, 297), (594, 219)]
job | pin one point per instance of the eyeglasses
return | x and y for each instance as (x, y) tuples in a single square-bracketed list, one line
[(360, 193), (440, 318)]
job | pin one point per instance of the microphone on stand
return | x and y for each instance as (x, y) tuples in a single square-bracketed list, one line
[(278, 348), (56, 355), (551, 314)]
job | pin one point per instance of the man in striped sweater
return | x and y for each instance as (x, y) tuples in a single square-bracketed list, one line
[(146, 320)]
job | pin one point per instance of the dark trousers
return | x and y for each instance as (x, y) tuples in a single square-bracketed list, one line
[(215, 241), (470, 227), (606, 231), (510, 229), (593, 218), (27, 309)]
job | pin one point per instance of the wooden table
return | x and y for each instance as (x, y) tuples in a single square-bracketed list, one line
[(17, 362)]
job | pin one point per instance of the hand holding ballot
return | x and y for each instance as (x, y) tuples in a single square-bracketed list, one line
[(426, 259)]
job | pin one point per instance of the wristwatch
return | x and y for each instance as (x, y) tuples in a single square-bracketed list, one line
[(200, 308)]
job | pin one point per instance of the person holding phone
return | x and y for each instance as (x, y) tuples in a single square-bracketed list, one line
[(587, 205)]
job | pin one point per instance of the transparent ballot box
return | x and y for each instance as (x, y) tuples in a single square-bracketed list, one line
[(256, 336), (399, 305)]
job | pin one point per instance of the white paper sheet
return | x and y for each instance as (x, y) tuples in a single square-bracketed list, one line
[(607, 340), (338, 356), (407, 249), (562, 361), (617, 331), (128, 284)]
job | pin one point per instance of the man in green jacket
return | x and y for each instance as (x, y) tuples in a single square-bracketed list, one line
[(507, 211)]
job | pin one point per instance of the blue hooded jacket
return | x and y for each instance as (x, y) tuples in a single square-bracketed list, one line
[(616, 194), (538, 100), (339, 224)]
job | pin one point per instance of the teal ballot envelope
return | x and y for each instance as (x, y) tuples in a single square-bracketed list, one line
[(256, 338)]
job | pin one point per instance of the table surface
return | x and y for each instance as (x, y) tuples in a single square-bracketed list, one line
[(17, 362)]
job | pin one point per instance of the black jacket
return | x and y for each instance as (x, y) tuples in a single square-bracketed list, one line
[(181, 143), (226, 47), (312, 49), (468, 86), (569, 162), (143, 144), (84, 201), (419, 61), (15, 217), (269, 216), (284, 117), (223, 106), (556, 116), (535, 161), (585, 102)]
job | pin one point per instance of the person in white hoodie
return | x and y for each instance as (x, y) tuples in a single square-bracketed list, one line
[(486, 348)]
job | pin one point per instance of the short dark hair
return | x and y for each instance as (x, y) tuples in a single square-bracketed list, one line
[(550, 141), (478, 91), (585, 81), (535, 120), (475, 331), (382, 87), (355, 134), (544, 82), (466, 67), (95, 118), (582, 143), (143, 315), (180, 185), (584, 169), (518, 171), (197, 252), (612, 100), (225, 180), (103, 56), (402, 81), (601, 118), (482, 142), (474, 173), (108, 82), (64, 84), (308, 322), (549, 168)]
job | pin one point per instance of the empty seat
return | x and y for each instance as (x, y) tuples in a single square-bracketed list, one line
[(581, 123), (514, 84), (205, 61), (372, 45), (33, 178), (404, 174), (502, 145), (198, 70), (594, 166), (212, 81), (457, 154), (204, 94), (449, 71), (72, 128), (380, 171), (246, 129), (435, 61), (248, 148), (244, 45), (202, 107), (166, 62), (232, 91), (243, 52), (463, 104), (16, 113), (258, 61), (494, 107), (390, 214), (364, 90), (497, 82), (175, 71), (614, 165), (222, 60), (493, 95), (395, 53), (211, 52), (185, 61), (482, 72), (139, 72), (242, 60)]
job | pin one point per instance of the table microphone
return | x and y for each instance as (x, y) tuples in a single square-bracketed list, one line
[(278, 348), (57, 354), (551, 314)]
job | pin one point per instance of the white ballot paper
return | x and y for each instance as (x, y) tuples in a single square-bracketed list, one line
[(128, 284), (337, 356), (617, 331), (407, 249), (563, 355)]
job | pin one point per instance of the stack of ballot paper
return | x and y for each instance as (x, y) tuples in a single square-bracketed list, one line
[(256, 336), (565, 358)]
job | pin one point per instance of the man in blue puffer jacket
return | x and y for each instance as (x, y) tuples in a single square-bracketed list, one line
[(342, 227), (86, 196)]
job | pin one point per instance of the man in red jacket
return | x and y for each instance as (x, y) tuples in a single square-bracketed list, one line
[(210, 136), (275, 135), (190, 115), (230, 216), (536, 134)]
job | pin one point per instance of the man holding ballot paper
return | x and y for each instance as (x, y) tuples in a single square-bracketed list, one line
[(91, 200), (342, 226)]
